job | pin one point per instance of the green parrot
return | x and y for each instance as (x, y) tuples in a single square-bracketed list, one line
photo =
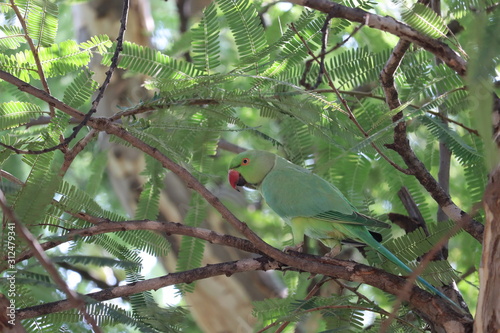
[(310, 205)]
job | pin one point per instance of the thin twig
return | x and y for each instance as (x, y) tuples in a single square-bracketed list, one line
[(402, 146), (310, 294), (416, 107), (335, 268), (45, 261), (170, 228), (226, 268), (97, 100), (448, 119), (390, 25), (348, 109), (34, 52), (323, 53), (71, 154), (10, 177)]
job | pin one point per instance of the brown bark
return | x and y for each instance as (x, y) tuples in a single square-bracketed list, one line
[(218, 304), (488, 308)]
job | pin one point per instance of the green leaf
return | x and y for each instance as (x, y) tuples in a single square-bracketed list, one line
[(80, 90), (60, 59), (246, 26), (41, 20), (206, 44), (192, 249), (13, 37), (464, 152), (15, 114), (147, 207), (32, 200), (141, 59), (425, 20)]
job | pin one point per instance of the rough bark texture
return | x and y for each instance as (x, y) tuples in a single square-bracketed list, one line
[(8, 324), (488, 308)]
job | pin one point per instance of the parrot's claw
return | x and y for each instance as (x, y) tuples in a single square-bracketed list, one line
[(334, 252), (295, 248)]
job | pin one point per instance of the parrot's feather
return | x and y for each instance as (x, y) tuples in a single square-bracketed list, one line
[(355, 218), (311, 205)]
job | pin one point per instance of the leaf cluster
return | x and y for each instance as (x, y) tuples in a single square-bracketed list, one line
[(261, 98)]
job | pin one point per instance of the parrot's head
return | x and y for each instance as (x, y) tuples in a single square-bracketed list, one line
[(250, 168)]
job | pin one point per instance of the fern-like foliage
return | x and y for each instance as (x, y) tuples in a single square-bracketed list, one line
[(147, 207), (356, 66), (74, 200), (206, 44), (192, 249), (414, 245), (256, 96), (147, 61), (14, 114), (246, 27), (56, 60), (425, 20), (12, 38), (80, 90), (41, 18), (32, 200), (464, 153)]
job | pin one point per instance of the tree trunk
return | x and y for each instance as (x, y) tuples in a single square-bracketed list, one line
[(488, 308)]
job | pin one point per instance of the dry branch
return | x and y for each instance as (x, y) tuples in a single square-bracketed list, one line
[(228, 268), (418, 298), (389, 24)]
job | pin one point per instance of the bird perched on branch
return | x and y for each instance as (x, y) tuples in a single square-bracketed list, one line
[(310, 205)]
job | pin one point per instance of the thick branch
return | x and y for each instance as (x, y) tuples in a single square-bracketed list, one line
[(166, 227), (402, 146), (208, 271), (389, 24), (488, 307), (20, 229), (427, 303), (347, 270)]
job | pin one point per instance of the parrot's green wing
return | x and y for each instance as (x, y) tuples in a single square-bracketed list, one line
[(292, 191), (355, 218), (309, 203)]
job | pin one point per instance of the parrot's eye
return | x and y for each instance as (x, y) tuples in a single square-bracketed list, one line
[(245, 161)]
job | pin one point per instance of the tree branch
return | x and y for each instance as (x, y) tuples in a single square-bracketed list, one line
[(114, 63), (418, 298), (389, 24), (34, 52), (228, 269), (402, 146), (351, 115), (170, 228), (44, 260)]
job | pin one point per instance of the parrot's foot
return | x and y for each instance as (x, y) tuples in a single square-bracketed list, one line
[(334, 252), (295, 248)]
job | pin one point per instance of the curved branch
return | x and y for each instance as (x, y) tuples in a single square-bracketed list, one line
[(347, 270), (435, 308), (389, 24), (73, 298), (402, 146), (208, 271), (166, 227)]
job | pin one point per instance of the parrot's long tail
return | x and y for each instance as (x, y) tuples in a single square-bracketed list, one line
[(396, 261)]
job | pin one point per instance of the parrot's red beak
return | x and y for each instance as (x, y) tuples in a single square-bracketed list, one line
[(236, 179)]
